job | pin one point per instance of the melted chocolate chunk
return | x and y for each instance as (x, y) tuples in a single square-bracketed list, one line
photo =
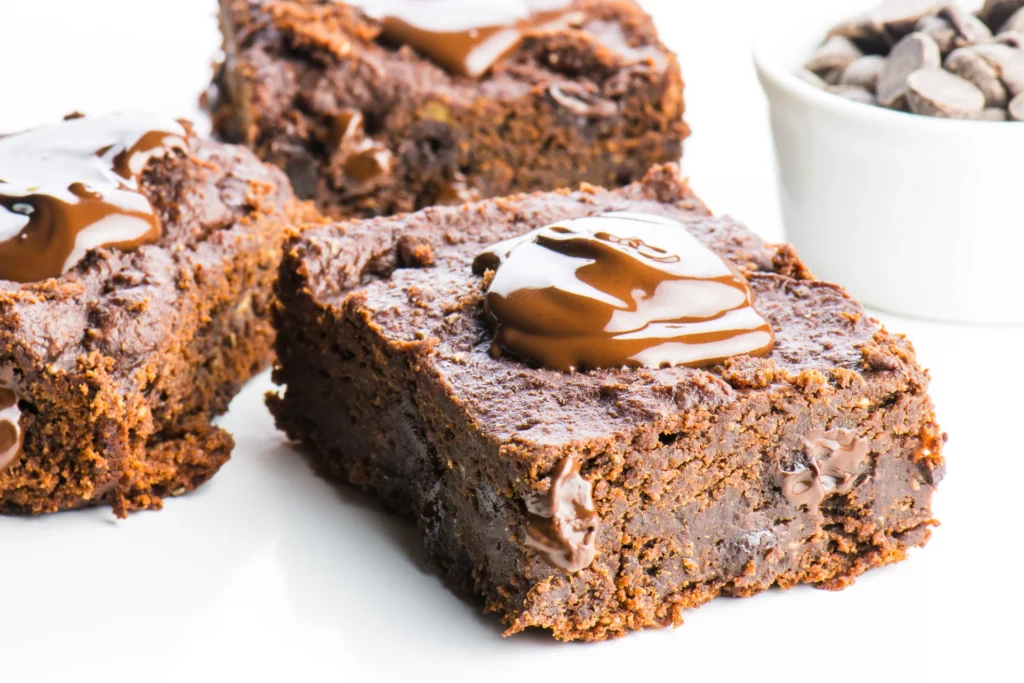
[(11, 438), (465, 37), (74, 186), (618, 290), (563, 523), (835, 460), (361, 164)]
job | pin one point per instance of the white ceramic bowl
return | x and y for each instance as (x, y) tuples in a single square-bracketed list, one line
[(918, 216)]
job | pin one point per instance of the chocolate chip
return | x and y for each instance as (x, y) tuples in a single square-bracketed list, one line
[(969, 65), (8, 436), (914, 52), (939, 30), (1008, 62), (995, 13), (854, 93), (992, 114), (864, 72), (1016, 108), (579, 100), (969, 28), (934, 92), (836, 53), (1011, 38), (1014, 23), (864, 33), (898, 17)]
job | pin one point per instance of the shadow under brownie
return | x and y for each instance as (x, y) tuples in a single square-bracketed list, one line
[(811, 464), (366, 125), (115, 364)]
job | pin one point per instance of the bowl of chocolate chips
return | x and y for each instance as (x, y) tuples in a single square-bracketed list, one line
[(899, 133)]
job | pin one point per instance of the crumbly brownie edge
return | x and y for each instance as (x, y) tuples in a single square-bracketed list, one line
[(128, 431)]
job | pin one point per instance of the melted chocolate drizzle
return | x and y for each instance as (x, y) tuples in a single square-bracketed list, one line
[(74, 186), (618, 290)]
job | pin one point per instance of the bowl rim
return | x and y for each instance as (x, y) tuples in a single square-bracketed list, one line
[(773, 71)]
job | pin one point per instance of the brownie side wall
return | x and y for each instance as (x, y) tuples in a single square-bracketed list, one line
[(78, 431), (367, 416), (703, 515)]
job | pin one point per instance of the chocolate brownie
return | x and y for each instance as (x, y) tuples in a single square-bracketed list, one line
[(136, 269), (385, 106), (598, 425)]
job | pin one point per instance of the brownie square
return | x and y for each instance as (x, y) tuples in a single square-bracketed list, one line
[(671, 486), (113, 370), (367, 126)]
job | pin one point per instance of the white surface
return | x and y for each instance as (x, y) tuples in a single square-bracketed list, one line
[(267, 574), (915, 215)]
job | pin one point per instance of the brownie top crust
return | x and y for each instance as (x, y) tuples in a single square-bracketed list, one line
[(410, 279), (598, 38), (210, 200)]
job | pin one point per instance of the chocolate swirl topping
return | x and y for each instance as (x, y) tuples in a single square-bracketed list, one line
[(74, 186), (563, 523), (835, 460), (618, 290), (465, 37)]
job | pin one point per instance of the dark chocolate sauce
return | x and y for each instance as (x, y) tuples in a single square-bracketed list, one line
[(465, 37), (618, 290), (74, 186)]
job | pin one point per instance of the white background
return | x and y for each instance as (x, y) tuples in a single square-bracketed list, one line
[(269, 574)]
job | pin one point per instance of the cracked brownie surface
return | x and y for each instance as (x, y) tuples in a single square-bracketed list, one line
[(366, 125), (596, 503)]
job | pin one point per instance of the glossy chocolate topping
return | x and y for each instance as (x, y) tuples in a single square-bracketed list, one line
[(562, 523), (618, 290), (835, 460), (465, 37), (74, 186)]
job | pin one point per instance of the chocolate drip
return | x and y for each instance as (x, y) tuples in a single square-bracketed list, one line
[(74, 186), (618, 290), (835, 460), (465, 37), (563, 523)]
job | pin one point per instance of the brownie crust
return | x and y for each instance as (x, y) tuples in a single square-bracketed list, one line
[(598, 101), (123, 361), (390, 387)]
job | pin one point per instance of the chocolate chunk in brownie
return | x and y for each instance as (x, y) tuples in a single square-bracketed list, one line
[(136, 265), (592, 502), (385, 106)]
